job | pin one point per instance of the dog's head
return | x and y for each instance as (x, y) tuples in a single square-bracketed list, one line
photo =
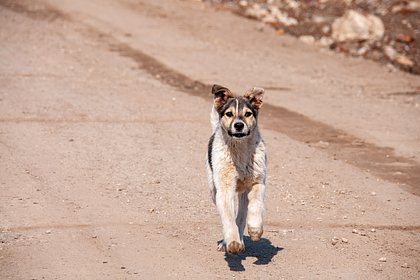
[(237, 115)]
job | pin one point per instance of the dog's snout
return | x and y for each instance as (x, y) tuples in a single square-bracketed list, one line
[(239, 126)]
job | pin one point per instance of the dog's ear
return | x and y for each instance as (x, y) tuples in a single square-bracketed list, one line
[(220, 95), (255, 96)]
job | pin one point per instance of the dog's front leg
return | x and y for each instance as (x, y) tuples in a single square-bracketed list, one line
[(256, 211), (242, 213), (225, 206)]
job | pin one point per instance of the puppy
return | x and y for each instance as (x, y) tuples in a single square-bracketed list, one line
[(236, 163)]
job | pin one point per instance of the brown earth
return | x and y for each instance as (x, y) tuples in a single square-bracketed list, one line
[(104, 121), (401, 20)]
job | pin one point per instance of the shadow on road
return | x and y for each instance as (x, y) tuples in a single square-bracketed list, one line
[(263, 250)]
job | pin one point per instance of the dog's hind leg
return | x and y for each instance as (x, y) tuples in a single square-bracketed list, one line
[(256, 211), (242, 213), (225, 205)]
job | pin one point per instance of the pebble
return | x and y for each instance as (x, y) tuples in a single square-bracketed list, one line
[(373, 193), (151, 210), (373, 230), (405, 265), (362, 233), (355, 231), (334, 240), (344, 240), (48, 231), (403, 60), (390, 53), (307, 39), (383, 259), (326, 41)]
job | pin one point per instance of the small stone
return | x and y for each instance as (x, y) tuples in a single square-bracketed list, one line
[(362, 233), (373, 193), (405, 38), (344, 240), (307, 39), (355, 231), (405, 265), (48, 231), (334, 240), (390, 53), (383, 259), (404, 60), (152, 210), (325, 29), (122, 267), (373, 230), (326, 41)]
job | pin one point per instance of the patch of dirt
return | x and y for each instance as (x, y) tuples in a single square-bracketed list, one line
[(401, 20)]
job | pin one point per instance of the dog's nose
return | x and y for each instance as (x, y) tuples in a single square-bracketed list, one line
[(239, 126)]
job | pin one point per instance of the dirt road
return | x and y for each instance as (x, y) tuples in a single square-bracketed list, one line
[(104, 121)]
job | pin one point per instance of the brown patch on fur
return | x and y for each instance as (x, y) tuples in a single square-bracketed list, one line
[(220, 95), (250, 121), (244, 185), (226, 175), (235, 247)]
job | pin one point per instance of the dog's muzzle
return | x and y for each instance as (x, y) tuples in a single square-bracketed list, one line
[(239, 130)]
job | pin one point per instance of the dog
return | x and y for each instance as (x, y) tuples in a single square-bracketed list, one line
[(236, 163)]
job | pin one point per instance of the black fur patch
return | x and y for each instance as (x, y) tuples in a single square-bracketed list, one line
[(209, 151)]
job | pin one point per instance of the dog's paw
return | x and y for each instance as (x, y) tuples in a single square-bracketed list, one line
[(221, 246), (235, 247), (255, 233)]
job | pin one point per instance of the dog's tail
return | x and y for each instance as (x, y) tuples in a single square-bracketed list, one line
[(214, 119)]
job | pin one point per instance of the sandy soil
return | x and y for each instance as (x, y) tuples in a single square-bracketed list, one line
[(104, 121)]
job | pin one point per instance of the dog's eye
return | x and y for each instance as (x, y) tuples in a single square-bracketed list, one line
[(248, 114), (229, 114)]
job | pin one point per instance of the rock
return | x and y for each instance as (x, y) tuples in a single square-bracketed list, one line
[(318, 19), (373, 193), (404, 60), (321, 144), (256, 11), (334, 240), (307, 39), (383, 259), (412, 6), (390, 53), (325, 29), (48, 231), (243, 3), (373, 230), (282, 17), (356, 26), (344, 240), (355, 231), (326, 41), (404, 38), (405, 265), (362, 233)]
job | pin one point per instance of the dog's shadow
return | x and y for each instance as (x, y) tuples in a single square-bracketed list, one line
[(262, 250)]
